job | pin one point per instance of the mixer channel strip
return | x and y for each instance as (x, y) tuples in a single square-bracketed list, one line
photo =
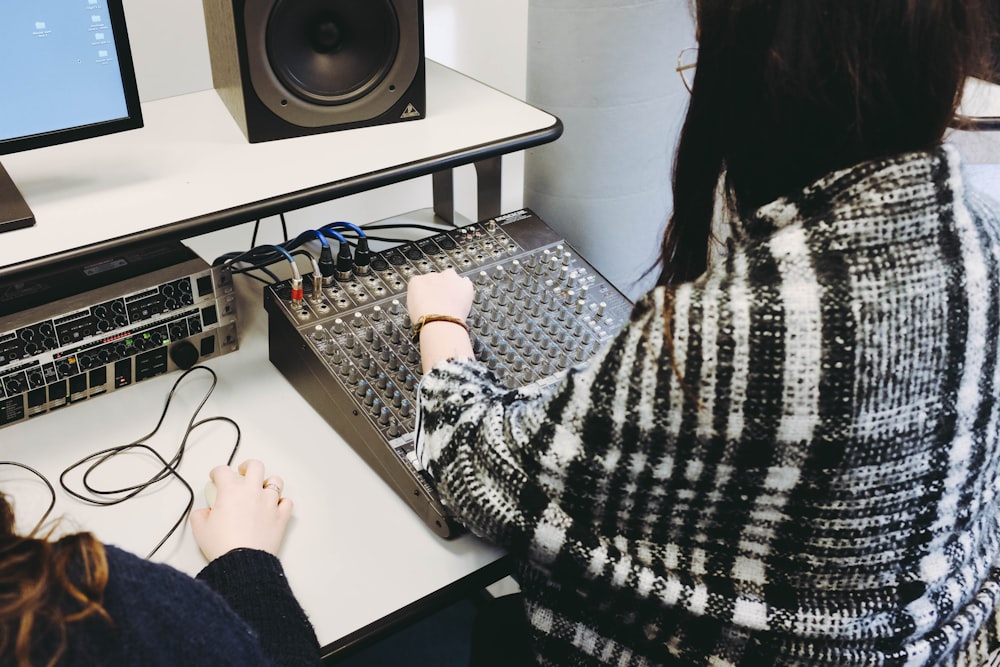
[(538, 309)]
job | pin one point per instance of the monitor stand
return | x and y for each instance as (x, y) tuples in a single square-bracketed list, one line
[(14, 211)]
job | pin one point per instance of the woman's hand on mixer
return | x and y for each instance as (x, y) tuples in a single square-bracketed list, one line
[(438, 304), (444, 293)]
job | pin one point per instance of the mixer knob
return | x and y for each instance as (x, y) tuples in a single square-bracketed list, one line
[(384, 417), (338, 326), (397, 398), (410, 382), (405, 408), (394, 431), (350, 341), (581, 305), (515, 267), (376, 315), (518, 364), (382, 380), (362, 389), (395, 308), (369, 398), (334, 355), (600, 308), (377, 406), (357, 321), (482, 278)]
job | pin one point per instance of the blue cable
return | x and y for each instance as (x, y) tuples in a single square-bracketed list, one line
[(348, 225)]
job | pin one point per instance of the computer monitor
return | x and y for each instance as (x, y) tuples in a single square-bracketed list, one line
[(66, 74)]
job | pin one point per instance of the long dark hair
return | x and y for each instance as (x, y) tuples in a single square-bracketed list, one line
[(786, 91), (39, 598)]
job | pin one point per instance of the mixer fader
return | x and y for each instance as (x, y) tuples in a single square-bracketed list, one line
[(538, 309)]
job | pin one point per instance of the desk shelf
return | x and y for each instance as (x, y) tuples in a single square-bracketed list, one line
[(190, 170)]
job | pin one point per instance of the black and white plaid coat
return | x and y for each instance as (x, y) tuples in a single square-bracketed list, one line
[(792, 460)]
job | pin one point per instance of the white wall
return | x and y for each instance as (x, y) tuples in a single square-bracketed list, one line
[(485, 39)]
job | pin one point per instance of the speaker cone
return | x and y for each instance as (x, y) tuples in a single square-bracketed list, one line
[(331, 52)]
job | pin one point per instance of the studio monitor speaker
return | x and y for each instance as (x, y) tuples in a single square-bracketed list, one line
[(287, 68)]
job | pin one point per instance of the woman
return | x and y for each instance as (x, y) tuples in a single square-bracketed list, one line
[(789, 455), (75, 601)]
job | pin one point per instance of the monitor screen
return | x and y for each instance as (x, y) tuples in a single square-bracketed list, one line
[(66, 74)]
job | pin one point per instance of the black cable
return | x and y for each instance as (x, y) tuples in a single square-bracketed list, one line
[(108, 497), (407, 225), (52, 493), (256, 228), (247, 269)]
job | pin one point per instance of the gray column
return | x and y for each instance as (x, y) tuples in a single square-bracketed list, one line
[(606, 68)]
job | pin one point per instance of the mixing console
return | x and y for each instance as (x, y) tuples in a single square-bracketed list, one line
[(539, 308)]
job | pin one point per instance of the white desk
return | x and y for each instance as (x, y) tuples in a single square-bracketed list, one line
[(356, 556)]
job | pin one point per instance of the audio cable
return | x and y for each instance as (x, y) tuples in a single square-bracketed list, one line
[(167, 468), (52, 494)]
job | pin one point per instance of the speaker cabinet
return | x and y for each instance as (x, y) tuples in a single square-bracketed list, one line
[(288, 68)]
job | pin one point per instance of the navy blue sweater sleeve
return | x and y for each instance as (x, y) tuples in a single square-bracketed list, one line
[(163, 617), (253, 583)]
